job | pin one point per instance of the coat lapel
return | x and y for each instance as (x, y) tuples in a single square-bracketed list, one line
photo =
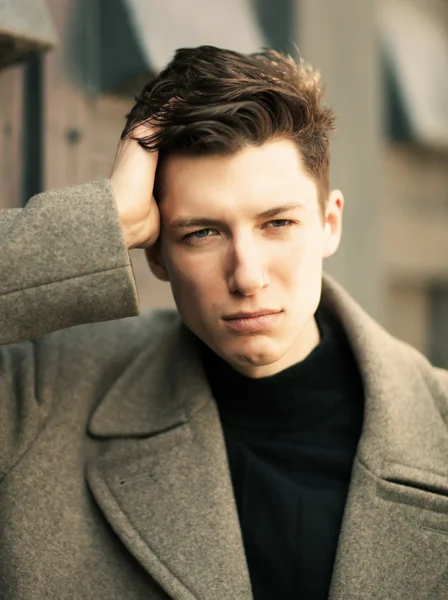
[(394, 537), (163, 482)]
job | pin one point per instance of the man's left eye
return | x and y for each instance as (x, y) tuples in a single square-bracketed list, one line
[(277, 223)]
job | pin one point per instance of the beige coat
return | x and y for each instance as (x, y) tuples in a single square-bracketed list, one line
[(114, 480)]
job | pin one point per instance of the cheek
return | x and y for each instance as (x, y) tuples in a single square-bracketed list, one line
[(194, 279), (300, 262)]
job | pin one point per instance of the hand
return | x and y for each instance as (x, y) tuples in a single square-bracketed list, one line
[(132, 180)]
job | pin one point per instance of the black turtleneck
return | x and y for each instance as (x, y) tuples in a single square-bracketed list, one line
[(291, 440)]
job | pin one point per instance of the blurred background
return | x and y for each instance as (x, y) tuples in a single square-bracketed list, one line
[(69, 70)]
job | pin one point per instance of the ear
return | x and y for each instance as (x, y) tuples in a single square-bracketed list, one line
[(155, 261), (333, 222)]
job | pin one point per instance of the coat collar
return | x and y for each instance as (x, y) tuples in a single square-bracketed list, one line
[(404, 400), (164, 483), (160, 389)]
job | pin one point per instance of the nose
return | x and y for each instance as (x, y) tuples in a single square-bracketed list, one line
[(247, 274)]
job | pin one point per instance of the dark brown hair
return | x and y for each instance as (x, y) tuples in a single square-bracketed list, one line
[(214, 101)]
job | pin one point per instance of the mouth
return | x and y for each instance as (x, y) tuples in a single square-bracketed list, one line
[(252, 322), (252, 315)]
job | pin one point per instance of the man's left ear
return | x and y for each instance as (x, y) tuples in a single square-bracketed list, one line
[(155, 261), (333, 222)]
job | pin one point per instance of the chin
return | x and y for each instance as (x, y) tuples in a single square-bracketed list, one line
[(257, 353)]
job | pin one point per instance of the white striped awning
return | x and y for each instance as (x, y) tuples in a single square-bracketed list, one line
[(163, 26), (128, 41), (414, 34)]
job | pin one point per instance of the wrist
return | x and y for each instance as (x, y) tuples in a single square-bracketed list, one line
[(132, 234)]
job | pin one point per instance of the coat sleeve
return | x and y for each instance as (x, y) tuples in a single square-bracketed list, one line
[(442, 400), (63, 262)]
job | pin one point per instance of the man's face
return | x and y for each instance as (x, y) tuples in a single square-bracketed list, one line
[(245, 234)]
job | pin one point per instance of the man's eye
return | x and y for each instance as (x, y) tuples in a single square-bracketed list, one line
[(200, 234), (278, 223)]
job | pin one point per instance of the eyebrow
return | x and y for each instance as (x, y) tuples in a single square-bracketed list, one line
[(206, 221)]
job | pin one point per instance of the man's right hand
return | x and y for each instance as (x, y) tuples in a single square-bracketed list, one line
[(132, 180)]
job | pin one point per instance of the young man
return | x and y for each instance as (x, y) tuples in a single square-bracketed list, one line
[(268, 441)]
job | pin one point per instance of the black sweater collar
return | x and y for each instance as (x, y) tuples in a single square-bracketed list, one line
[(296, 396)]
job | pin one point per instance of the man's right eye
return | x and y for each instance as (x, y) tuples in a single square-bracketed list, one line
[(200, 234)]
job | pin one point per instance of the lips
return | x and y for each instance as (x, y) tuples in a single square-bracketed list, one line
[(255, 322), (252, 315)]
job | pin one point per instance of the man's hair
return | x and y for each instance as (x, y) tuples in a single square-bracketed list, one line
[(210, 101)]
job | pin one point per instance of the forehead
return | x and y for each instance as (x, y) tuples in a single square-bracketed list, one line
[(252, 179)]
